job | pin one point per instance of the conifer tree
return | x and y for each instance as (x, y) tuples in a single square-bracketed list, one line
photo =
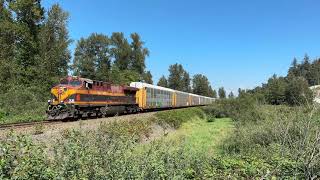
[(178, 79), (54, 43), (222, 93), (162, 82), (200, 85)]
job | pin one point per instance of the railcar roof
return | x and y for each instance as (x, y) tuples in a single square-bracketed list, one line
[(142, 85)]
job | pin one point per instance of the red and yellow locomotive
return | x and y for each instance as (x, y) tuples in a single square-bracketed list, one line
[(76, 97)]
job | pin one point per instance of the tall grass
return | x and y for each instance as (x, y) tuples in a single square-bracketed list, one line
[(268, 142)]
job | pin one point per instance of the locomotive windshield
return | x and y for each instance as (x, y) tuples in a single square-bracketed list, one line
[(72, 82)]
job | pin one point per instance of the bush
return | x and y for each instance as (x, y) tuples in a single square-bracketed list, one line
[(174, 118), (22, 104)]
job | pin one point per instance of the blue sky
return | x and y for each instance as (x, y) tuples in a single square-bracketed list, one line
[(234, 43)]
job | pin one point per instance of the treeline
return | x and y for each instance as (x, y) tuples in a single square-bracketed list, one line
[(34, 55), (34, 50), (179, 79), (113, 59), (292, 89), (33, 45)]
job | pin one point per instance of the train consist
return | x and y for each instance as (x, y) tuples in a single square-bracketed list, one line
[(76, 97)]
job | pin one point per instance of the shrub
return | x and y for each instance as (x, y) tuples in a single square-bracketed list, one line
[(22, 104), (20, 158), (174, 118)]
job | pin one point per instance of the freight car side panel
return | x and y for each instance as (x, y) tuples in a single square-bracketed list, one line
[(150, 96), (182, 99), (158, 98)]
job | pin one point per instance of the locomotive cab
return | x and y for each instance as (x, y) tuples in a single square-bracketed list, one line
[(61, 93)]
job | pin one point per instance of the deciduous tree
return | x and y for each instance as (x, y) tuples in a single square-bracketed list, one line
[(275, 90), (298, 92), (92, 57)]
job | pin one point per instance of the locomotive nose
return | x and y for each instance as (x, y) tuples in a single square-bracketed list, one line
[(62, 90)]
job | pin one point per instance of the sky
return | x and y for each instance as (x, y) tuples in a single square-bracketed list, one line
[(236, 44)]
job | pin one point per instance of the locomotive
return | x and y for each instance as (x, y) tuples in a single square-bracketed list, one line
[(75, 97)]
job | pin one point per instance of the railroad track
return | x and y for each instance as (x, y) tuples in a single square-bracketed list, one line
[(26, 124), (46, 122)]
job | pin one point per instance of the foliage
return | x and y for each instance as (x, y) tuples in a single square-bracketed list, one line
[(147, 76), (212, 92), (91, 57), (307, 69), (275, 90), (138, 56), (285, 138), (175, 118), (231, 95), (282, 90), (20, 158), (222, 93), (22, 104), (111, 59), (281, 144), (163, 82), (201, 85), (54, 42), (178, 78), (33, 56), (298, 92)]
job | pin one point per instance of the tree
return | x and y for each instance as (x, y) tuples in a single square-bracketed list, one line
[(298, 92), (294, 69), (27, 17), (7, 47), (222, 93), (92, 57), (231, 95), (54, 42), (200, 85), (121, 51), (306, 69), (241, 92), (186, 82), (162, 82), (212, 92), (148, 77), (138, 54), (275, 90), (178, 79)]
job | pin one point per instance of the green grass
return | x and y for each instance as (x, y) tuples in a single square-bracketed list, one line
[(201, 136)]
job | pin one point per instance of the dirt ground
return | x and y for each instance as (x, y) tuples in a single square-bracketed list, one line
[(50, 132)]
